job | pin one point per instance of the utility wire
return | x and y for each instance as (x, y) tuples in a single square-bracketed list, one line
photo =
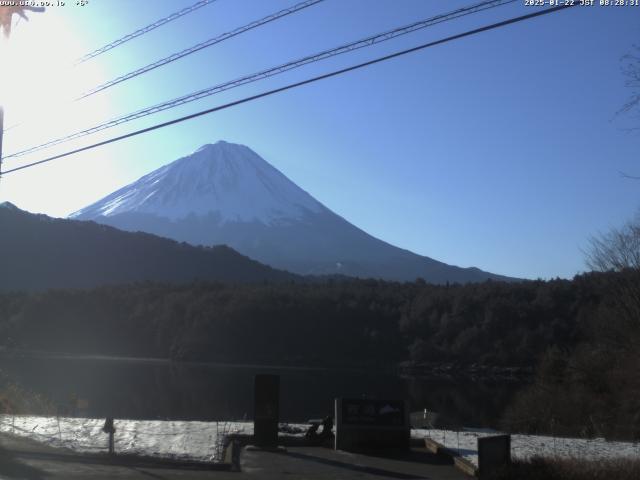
[(178, 55), (142, 31), (366, 42), (299, 84), (200, 46)]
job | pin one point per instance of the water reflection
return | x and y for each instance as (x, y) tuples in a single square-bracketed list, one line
[(151, 390)]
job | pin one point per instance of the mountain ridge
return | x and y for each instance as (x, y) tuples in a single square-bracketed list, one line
[(44, 252), (225, 193)]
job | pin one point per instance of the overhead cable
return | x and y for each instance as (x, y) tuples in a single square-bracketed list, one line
[(366, 42), (334, 73), (142, 31), (200, 46)]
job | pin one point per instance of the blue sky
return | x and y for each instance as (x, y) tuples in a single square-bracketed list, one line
[(500, 151)]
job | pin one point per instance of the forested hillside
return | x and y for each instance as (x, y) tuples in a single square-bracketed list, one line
[(343, 322), (580, 334), (41, 252)]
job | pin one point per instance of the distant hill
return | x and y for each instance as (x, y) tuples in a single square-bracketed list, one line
[(40, 252), (226, 193)]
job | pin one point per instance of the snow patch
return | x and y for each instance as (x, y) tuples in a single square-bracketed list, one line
[(180, 440), (202, 441), (527, 446)]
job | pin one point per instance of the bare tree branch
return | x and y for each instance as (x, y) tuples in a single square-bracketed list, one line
[(616, 250), (631, 71)]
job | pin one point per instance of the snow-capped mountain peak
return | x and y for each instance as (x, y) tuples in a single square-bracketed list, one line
[(228, 181), (225, 193)]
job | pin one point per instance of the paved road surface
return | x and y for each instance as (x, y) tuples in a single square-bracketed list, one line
[(28, 460), (321, 463)]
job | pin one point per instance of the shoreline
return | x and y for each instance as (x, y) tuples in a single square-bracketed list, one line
[(440, 370)]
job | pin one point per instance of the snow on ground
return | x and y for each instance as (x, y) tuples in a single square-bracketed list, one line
[(203, 441), (195, 441), (526, 446)]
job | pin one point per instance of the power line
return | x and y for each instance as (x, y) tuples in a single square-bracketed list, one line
[(200, 46), (142, 31), (298, 84), (189, 51), (366, 42)]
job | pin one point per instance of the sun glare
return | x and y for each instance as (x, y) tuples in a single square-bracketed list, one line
[(39, 78)]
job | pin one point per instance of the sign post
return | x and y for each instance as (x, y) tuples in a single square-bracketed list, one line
[(110, 429)]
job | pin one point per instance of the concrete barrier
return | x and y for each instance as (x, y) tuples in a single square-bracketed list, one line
[(459, 462)]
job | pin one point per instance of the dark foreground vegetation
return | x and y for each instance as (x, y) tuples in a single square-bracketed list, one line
[(15, 400), (591, 388), (571, 469), (581, 336)]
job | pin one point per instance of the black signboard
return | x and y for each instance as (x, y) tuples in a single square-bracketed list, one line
[(371, 424), (373, 412)]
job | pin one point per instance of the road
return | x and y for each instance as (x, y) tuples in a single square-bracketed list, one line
[(22, 459)]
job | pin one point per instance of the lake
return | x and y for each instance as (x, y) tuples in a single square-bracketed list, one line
[(139, 389)]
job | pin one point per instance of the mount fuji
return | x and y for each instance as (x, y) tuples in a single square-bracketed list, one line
[(225, 193)]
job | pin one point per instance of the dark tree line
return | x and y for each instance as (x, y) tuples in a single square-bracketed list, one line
[(581, 335), (350, 322), (592, 386)]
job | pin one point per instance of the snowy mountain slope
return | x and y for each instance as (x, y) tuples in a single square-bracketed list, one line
[(229, 180), (227, 194)]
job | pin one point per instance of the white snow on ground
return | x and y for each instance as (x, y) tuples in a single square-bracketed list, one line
[(203, 441), (526, 446), (195, 441)]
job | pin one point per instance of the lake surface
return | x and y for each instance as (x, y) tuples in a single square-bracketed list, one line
[(182, 391)]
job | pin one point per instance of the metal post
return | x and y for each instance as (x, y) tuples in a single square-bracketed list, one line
[(110, 428), (111, 443)]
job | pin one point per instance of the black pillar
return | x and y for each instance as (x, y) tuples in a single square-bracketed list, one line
[(267, 410)]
